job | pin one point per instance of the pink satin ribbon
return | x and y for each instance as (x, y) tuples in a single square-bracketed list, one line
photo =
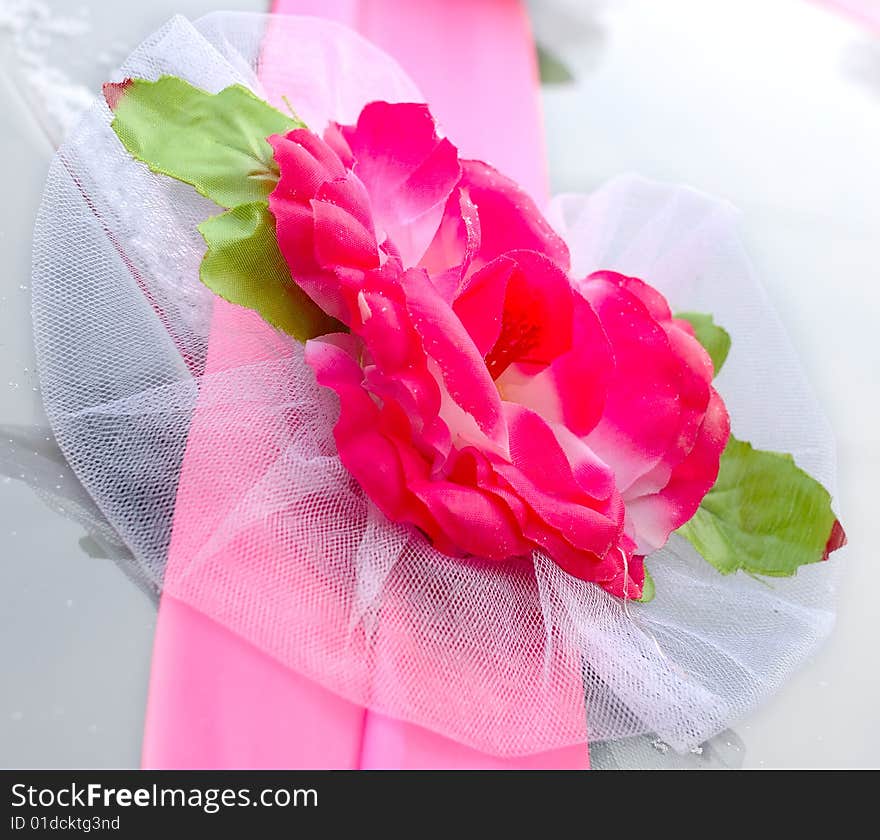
[(215, 700), (866, 12)]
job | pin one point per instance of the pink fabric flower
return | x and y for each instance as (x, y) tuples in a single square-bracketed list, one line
[(485, 396)]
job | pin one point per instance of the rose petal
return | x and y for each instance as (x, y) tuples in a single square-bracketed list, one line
[(322, 220), (460, 366), (454, 246), (652, 518), (373, 458), (509, 218), (407, 169), (540, 473), (695, 377), (641, 414), (341, 240)]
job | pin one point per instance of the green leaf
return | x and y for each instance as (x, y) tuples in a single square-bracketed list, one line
[(647, 589), (552, 70), (215, 142), (244, 266), (764, 515), (715, 339)]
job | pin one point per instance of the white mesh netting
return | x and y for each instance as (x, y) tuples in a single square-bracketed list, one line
[(203, 438)]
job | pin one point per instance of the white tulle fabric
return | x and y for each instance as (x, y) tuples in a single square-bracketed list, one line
[(280, 544)]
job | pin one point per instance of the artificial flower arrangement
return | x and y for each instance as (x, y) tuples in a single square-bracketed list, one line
[(487, 397), (418, 442)]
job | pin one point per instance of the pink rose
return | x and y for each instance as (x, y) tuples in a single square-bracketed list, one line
[(485, 396)]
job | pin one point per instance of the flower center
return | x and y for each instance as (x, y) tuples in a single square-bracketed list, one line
[(517, 339)]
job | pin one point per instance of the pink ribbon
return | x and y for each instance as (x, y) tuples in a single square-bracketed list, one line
[(217, 701), (866, 12)]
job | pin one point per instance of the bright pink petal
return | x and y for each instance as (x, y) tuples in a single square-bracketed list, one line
[(459, 365), (454, 246), (341, 240), (572, 389), (641, 414), (665, 467), (518, 308), (371, 457), (375, 445), (537, 319), (540, 473), (335, 139), (653, 300), (629, 578), (480, 303), (653, 517), (408, 170), (478, 523), (349, 194), (305, 161), (591, 473), (509, 218), (545, 496), (486, 217), (322, 220), (542, 342), (695, 378), (396, 367)]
